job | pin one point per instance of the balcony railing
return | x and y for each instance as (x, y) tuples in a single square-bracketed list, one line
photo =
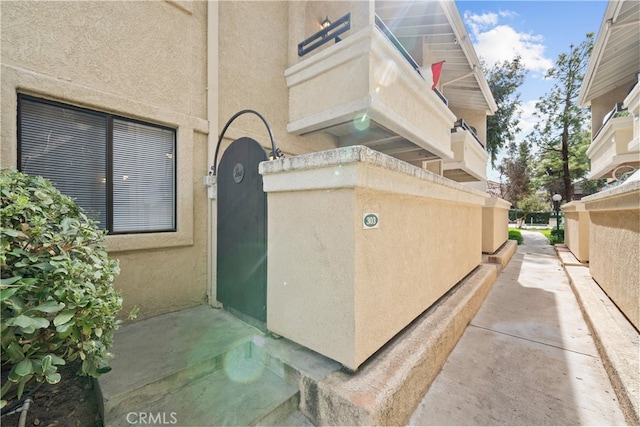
[(329, 90), (396, 43), (470, 158), (461, 124), (615, 112), (328, 33)]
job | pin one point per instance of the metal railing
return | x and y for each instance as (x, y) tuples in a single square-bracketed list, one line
[(325, 35), (396, 43), (610, 115), (465, 126)]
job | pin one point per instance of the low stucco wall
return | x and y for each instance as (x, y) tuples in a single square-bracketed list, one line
[(614, 245), (495, 224), (342, 288), (576, 229)]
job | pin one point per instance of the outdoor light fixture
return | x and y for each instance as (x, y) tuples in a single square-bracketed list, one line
[(328, 31), (556, 206)]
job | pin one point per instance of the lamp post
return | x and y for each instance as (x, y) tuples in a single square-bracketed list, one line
[(556, 206)]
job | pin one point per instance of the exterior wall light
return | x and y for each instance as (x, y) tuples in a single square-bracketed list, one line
[(325, 23)]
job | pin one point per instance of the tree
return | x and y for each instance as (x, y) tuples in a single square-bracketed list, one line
[(559, 132), (529, 204), (504, 80), (516, 167), (549, 169)]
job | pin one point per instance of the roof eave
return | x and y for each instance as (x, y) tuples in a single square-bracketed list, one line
[(453, 15), (611, 13)]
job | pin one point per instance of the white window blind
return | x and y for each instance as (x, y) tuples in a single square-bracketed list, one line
[(68, 147), (120, 171), (143, 177)]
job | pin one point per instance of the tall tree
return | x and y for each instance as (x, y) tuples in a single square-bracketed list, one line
[(560, 128), (504, 79), (549, 169), (516, 167)]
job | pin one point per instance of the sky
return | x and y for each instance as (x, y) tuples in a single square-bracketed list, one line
[(536, 30)]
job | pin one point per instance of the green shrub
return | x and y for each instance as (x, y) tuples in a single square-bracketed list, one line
[(554, 236), (530, 217), (515, 235), (56, 290)]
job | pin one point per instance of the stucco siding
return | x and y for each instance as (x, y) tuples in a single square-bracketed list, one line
[(254, 40), (140, 60)]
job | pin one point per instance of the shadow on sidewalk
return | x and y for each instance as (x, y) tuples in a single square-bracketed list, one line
[(526, 358)]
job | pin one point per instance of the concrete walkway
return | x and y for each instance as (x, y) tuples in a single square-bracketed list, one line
[(527, 357)]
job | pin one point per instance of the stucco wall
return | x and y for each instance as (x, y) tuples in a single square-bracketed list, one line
[(576, 229), (343, 289), (603, 104), (495, 224), (614, 246), (424, 246), (142, 60), (253, 44)]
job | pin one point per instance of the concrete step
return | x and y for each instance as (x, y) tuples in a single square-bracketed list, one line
[(243, 393), (204, 367), (156, 357)]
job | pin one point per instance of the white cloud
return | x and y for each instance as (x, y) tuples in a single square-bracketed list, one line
[(477, 23), (527, 119), (497, 43)]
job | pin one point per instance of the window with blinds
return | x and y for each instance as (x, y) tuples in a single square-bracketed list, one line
[(120, 171)]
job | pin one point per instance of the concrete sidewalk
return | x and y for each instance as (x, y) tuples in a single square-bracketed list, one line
[(527, 357)]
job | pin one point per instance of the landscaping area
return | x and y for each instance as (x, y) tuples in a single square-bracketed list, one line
[(553, 235)]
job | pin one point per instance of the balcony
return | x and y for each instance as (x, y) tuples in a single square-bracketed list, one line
[(469, 156), (612, 146), (632, 104), (363, 91)]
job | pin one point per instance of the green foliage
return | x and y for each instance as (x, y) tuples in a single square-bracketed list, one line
[(549, 168), (554, 236), (56, 290), (504, 80), (530, 217), (560, 132), (592, 187), (516, 167), (515, 235), (531, 203)]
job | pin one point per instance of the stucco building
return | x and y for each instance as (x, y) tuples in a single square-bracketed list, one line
[(603, 229), (382, 127)]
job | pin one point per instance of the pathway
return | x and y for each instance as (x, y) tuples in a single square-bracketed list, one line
[(527, 357)]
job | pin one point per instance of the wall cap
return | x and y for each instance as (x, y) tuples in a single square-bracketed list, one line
[(625, 196), (360, 166), (573, 206), (496, 202)]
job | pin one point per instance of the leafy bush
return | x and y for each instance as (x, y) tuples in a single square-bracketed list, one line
[(554, 236), (56, 290), (530, 217), (515, 235)]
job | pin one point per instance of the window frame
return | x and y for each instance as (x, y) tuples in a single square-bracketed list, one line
[(109, 166)]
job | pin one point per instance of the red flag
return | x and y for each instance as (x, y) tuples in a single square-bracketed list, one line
[(436, 69)]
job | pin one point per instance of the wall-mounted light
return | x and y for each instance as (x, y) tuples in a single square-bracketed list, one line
[(329, 31)]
